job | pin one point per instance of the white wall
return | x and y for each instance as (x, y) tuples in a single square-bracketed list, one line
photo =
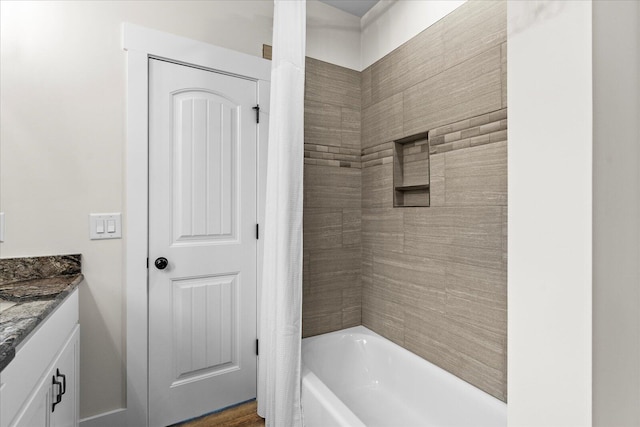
[(616, 214), (390, 23), (333, 35), (550, 201), (62, 88)]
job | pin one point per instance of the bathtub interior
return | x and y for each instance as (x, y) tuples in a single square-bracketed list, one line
[(383, 384)]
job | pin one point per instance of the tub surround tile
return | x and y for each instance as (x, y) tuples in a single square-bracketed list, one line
[(332, 84), (351, 316), (477, 296), (477, 176), (37, 285), (332, 199), (419, 58), (378, 162), (468, 89), (480, 130), (322, 230), (322, 123), (351, 306), (352, 297), (385, 146), (332, 293), (382, 229), (350, 127), (443, 295), (352, 227), (324, 152), (331, 290), (430, 279), (331, 187), (505, 230), (466, 126), (328, 301), (382, 121), (436, 180), (472, 29), (377, 155), (366, 266), (471, 353), (334, 269), (479, 227), (377, 186), (503, 63), (387, 73), (366, 87), (398, 269), (306, 256), (332, 163), (322, 312), (384, 317), (408, 280)]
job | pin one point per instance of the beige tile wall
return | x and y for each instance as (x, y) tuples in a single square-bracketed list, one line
[(434, 279), (430, 279), (332, 291)]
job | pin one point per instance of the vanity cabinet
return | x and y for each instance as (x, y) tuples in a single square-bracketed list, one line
[(40, 385)]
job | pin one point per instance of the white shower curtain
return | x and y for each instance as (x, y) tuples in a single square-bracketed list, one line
[(281, 305)]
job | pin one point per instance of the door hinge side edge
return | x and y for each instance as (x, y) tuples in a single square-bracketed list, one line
[(257, 108), (257, 347), (257, 231)]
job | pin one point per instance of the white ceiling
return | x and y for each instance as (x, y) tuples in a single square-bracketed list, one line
[(354, 7)]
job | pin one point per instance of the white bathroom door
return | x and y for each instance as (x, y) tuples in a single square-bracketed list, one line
[(202, 221)]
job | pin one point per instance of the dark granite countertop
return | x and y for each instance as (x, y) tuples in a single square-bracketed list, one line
[(37, 286)]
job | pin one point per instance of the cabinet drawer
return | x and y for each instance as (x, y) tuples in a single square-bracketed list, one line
[(20, 378)]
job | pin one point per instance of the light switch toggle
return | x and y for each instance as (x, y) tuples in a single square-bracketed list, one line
[(105, 226)]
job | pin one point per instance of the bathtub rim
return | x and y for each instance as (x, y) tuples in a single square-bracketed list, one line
[(361, 329)]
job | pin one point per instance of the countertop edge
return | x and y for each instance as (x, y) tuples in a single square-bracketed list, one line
[(8, 347)]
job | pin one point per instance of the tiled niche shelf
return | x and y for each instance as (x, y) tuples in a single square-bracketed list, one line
[(411, 171)]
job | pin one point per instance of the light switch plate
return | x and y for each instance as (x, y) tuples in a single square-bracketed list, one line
[(102, 219)]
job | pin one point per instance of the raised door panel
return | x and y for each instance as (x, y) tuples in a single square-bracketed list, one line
[(36, 412), (205, 326), (205, 155)]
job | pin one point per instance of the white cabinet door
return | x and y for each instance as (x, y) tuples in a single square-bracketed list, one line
[(65, 390), (28, 389), (36, 412), (55, 402)]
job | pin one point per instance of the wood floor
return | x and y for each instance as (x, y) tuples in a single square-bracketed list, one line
[(239, 416)]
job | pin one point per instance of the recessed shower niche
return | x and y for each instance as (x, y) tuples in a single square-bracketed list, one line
[(411, 171)]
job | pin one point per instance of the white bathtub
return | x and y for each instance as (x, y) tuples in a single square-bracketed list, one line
[(357, 378)]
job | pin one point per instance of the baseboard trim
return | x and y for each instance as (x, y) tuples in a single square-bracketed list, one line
[(106, 419)]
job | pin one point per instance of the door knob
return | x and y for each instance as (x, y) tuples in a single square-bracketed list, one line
[(161, 263)]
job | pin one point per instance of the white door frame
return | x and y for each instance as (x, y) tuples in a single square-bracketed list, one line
[(141, 44)]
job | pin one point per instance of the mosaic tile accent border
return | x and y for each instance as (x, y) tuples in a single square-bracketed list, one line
[(331, 156), (479, 130), (380, 154)]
